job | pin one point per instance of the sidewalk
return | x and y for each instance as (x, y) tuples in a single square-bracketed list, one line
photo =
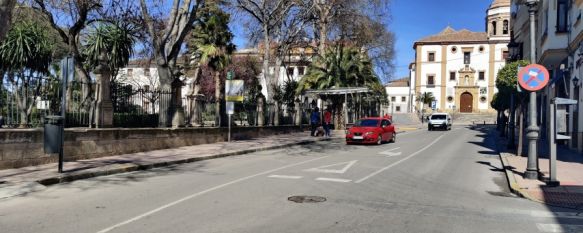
[(569, 172), (19, 181)]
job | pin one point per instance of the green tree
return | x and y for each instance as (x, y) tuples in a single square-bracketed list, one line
[(116, 41), (506, 82), (341, 67), (212, 44), (426, 98), (25, 57)]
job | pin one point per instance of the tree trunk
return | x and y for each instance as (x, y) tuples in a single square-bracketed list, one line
[(6, 7), (323, 38), (220, 111), (266, 58), (165, 102), (339, 118)]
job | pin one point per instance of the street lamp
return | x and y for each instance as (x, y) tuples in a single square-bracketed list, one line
[(532, 129)]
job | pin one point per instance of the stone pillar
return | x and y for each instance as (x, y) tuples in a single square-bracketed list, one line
[(196, 110), (298, 113), (104, 106), (275, 113), (178, 119), (260, 114)]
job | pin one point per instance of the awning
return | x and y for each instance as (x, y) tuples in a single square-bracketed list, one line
[(339, 91)]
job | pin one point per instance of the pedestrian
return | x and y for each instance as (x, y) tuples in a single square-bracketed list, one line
[(327, 122), (315, 121)]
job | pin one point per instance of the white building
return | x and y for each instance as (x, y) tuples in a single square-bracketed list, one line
[(399, 95), (459, 67), (559, 47)]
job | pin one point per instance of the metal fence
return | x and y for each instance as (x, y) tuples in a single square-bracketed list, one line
[(136, 107)]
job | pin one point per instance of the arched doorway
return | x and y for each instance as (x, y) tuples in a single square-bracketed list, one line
[(466, 102)]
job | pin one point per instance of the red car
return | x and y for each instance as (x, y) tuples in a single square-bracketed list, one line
[(372, 130)]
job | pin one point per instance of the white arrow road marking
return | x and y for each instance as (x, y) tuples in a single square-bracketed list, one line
[(400, 161), (337, 171), (194, 195), (390, 153), (285, 177), (333, 180)]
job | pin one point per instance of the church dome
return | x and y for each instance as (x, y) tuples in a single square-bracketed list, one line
[(500, 3)]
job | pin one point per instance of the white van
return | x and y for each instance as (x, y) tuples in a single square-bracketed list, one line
[(439, 120)]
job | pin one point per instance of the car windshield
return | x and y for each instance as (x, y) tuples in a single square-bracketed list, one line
[(438, 117), (367, 123)]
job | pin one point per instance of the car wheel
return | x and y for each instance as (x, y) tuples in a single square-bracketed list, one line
[(394, 138), (429, 128), (379, 140)]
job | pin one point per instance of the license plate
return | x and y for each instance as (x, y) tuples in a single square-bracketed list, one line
[(358, 137)]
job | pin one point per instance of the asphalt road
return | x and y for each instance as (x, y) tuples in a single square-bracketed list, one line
[(439, 181)]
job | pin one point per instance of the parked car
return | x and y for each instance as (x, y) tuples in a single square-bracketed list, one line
[(439, 120), (371, 130)]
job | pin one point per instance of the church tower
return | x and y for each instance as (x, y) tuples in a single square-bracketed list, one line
[(498, 20)]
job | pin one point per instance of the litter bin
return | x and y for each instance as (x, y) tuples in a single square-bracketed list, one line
[(52, 134)]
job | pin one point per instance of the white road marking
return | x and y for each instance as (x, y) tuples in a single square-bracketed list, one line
[(400, 161), (333, 180), (390, 153), (562, 228), (285, 177), (547, 214), (201, 193), (347, 165)]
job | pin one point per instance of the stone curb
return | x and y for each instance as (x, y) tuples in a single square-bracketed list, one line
[(130, 167), (514, 187)]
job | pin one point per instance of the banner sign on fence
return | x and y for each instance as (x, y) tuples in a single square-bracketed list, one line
[(234, 90)]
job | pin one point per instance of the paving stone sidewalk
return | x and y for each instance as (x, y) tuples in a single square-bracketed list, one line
[(28, 179), (569, 172)]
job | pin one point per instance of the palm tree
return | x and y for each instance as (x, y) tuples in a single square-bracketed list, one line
[(117, 40), (341, 67), (25, 57), (426, 98), (212, 45)]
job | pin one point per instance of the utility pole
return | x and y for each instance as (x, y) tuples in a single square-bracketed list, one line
[(532, 129)]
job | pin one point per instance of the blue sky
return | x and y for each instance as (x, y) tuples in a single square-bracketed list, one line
[(415, 19)]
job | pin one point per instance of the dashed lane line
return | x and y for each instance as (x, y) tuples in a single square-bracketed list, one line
[(285, 177)]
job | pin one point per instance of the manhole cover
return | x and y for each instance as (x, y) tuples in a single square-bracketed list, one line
[(306, 199)]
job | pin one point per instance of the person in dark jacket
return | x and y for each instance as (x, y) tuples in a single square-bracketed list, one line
[(315, 121)]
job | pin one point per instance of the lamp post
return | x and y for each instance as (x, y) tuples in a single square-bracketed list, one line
[(532, 129)]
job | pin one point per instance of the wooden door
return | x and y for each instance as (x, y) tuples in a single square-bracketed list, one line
[(466, 102)]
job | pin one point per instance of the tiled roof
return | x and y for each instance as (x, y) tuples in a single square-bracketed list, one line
[(403, 82), (450, 35)]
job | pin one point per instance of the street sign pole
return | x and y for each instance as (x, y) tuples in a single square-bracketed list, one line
[(66, 71), (533, 78)]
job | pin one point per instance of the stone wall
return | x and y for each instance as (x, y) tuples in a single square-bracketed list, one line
[(24, 147)]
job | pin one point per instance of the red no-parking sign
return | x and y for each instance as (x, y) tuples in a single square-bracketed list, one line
[(533, 77)]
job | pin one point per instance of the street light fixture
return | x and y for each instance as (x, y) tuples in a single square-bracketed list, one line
[(532, 129)]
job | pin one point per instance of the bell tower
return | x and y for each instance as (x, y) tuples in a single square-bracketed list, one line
[(498, 20)]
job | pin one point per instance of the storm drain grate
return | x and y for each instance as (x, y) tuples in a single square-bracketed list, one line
[(306, 199)]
